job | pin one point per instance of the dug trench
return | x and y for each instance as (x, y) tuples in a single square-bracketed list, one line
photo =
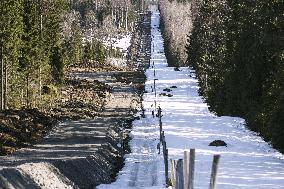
[(88, 145)]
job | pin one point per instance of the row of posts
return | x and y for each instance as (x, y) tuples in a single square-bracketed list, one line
[(163, 144), (182, 170)]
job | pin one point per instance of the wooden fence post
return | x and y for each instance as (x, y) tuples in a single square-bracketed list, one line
[(155, 88), (173, 173), (162, 137), (213, 179), (186, 168), (160, 123), (179, 174), (166, 166), (191, 169)]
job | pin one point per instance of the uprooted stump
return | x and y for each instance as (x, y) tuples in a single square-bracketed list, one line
[(218, 143), (167, 90), (165, 94)]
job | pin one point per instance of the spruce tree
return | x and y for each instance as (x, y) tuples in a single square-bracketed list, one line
[(11, 30)]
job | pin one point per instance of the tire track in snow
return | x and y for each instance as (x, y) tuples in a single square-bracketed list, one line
[(133, 175), (144, 173)]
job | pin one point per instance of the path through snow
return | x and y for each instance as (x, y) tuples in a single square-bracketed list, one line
[(246, 163)]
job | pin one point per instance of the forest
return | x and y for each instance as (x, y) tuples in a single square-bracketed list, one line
[(237, 50), (40, 39)]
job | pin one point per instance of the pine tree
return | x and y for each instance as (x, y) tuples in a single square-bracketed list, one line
[(54, 12), (30, 60), (11, 30)]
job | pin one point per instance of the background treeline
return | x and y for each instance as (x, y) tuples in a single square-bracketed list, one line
[(237, 50), (176, 23), (40, 38)]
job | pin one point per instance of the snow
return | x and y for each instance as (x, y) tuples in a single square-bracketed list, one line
[(117, 62), (247, 162), (122, 43)]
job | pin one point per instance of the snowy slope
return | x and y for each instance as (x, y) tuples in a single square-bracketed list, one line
[(246, 163)]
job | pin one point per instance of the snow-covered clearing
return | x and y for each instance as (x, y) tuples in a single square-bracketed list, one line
[(122, 43), (246, 163)]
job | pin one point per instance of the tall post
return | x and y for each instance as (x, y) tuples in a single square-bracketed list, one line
[(213, 179), (160, 122), (191, 169), (179, 174), (166, 165), (186, 168), (173, 173)]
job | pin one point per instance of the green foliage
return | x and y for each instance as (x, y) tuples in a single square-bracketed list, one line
[(88, 52), (56, 59), (30, 31), (237, 50), (10, 40), (100, 53), (95, 52)]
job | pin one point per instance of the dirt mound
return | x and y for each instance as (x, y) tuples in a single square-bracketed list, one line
[(19, 128), (218, 143)]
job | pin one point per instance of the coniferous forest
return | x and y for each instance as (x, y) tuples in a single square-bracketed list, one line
[(39, 39), (237, 50)]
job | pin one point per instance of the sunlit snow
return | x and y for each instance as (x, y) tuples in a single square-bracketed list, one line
[(246, 163)]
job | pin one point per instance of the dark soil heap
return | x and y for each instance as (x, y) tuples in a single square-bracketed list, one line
[(21, 128)]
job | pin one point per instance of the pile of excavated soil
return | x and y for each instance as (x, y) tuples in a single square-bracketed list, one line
[(20, 128), (81, 99)]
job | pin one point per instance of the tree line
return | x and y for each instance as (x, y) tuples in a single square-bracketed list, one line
[(237, 50), (31, 49), (39, 39)]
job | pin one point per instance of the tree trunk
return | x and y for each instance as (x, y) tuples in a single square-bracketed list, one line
[(39, 86), (112, 14), (126, 19), (2, 81), (119, 17), (27, 91), (6, 86)]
